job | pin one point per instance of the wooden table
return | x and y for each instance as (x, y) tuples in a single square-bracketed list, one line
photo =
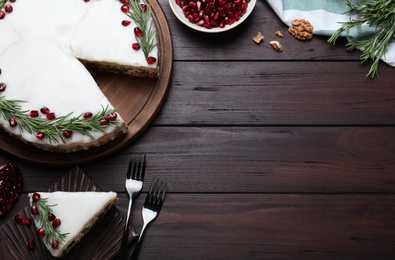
[(269, 155)]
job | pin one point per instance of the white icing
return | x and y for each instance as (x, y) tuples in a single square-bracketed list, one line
[(40, 41), (75, 210), (112, 42)]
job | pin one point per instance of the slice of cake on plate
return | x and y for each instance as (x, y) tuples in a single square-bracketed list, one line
[(47, 96), (63, 218)]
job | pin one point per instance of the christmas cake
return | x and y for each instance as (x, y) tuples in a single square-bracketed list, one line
[(48, 98), (63, 218)]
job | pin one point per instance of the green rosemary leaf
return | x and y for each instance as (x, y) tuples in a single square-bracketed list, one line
[(376, 14), (44, 210), (142, 20), (2, 3), (53, 128)]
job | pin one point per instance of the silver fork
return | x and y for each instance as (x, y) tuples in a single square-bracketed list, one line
[(151, 209), (134, 184)]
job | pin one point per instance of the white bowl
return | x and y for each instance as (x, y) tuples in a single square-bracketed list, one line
[(180, 15)]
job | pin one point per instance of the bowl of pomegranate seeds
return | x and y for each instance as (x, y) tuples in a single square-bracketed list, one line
[(212, 16)]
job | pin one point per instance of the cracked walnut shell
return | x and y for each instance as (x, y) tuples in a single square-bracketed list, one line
[(301, 29)]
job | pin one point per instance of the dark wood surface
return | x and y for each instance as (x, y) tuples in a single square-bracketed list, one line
[(268, 155)]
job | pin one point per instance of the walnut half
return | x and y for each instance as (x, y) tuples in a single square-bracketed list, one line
[(301, 29), (276, 45)]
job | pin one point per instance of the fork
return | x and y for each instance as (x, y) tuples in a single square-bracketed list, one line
[(151, 209), (134, 184)]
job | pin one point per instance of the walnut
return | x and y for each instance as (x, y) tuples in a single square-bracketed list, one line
[(258, 38), (301, 29), (276, 45), (279, 34)]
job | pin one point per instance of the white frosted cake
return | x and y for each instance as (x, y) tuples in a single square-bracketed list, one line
[(48, 98), (73, 214)]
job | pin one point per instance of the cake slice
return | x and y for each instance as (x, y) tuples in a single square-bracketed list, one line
[(63, 218)]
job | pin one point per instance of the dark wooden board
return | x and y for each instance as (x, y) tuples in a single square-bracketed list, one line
[(138, 100)]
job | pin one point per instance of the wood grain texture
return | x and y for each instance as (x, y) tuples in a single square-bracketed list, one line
[(268, 155)]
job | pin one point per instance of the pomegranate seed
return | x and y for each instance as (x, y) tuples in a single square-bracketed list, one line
[(51, 216), (138, 32), (104, 121), (56, 223), (125, 1), (112, 117), (34, 210), (144, 8), (2, 15), (40, 232), (18, 218), (3, 86), (40, 135), (36, 197), (126, 22), (50, 116), (34, 113), (31, 244), (125, 8), (67, 134), (0, 71), (55, 244), (27, 222), (12, 122), (12, 1), (45, 110), (213, 13), (8, 8), (87, 1), (87, 115), (135, 46), (151, 60)]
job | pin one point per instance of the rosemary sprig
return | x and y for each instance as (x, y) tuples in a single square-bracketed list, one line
[(44, 210), (2, 3), (378, 14), (53, 128), (142, 20)]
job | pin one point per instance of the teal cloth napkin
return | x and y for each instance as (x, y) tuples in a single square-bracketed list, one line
[(325, 16)]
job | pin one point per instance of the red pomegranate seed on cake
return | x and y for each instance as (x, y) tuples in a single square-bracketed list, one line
[(125, 1), (40, 135), (3, 86), (40, 232), (67, 134), (56, 223), (12, 122), (12, 1), (135, 46), (50, 116), (144, 7), (36, 197), (112, 117), (8, 8), (34, 113), (55, 244), (125, 8), (51, 217), (104, 121), (31, 244), (45, 110), (151, 60), (138, 32), (2, 15), (34, 210), (126, 22), (87, 115)]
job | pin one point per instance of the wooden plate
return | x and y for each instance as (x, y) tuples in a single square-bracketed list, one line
[(102, 241), (138, 100)]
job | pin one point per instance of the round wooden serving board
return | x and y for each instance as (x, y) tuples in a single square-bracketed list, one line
[(137, 100)]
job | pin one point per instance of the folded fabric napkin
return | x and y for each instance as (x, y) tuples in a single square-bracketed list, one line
[(325, 16)]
